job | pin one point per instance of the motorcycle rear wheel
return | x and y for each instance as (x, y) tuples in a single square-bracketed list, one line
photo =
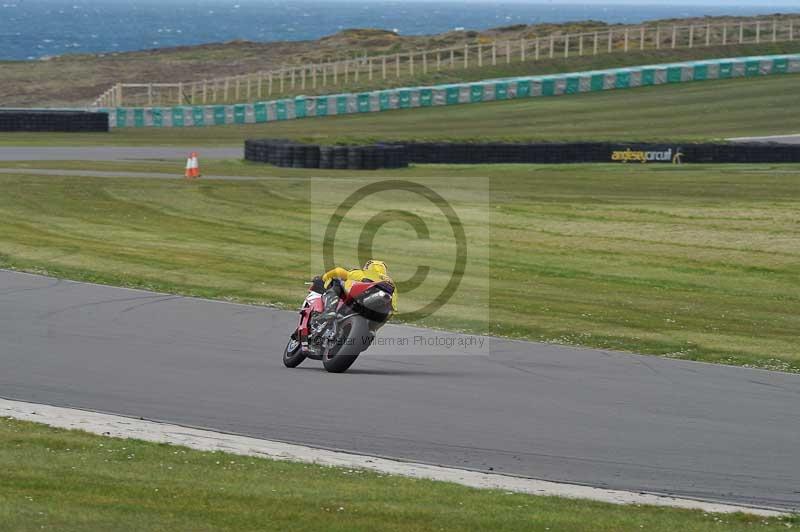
[(350, 344), (293, 355)]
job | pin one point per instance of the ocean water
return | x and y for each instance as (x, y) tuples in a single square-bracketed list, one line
[(31, 29)]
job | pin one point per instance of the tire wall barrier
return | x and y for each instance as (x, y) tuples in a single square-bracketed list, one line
[(295, 155), (399, 155), (460, 93), (44, 120)]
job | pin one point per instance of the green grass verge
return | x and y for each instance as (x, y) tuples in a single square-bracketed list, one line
[(689, 112), (695, 262), (55, 479)]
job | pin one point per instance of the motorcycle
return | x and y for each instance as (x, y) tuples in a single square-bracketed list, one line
[(337, 336)]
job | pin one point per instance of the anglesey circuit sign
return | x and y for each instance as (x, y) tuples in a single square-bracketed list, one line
[(675, 156)]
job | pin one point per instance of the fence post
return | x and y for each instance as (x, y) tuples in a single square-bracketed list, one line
[(452, 57), (356, 70), (258, 85), (641, 39), (302, 79), (626, 39), (594, 45), (249, 80), (346, 72), (674, 35), (397, 66), (758, 32), (424, 62), (552, 46), (658, 37), (494, 53), (580, 44), (774, 30), (508, 52), (791, 30), (313, 75), (708, 34), (724, 34), (537, 48), (480, 55), (237, 88), (325, 74), (150, 94), (610, 40), (438, 60), (383, 66), (522, 50), (411, 63), (566, 46), (180, 93)]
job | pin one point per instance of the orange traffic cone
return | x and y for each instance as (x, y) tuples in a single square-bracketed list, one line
[(188, 172), (192, 167), (195, 165)]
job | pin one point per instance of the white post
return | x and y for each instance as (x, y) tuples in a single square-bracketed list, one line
[(691, 35), (537, 48), (508, 52), (466, 56), (791, 30), (522, 50), (552, 46), (480, 55), (411, 63), (397, 66), (674, 35), (774, 30), (641, 39), (370, 69), (566, 46), (610, 40), (383, 67), (494, 53), (758, 32), (724, 34), (741, 32), (452, 57), (658, 37), (438, 60), (269, 82), (595, 43), (708, 34), (580, 44), (626, 39), (424, 62)]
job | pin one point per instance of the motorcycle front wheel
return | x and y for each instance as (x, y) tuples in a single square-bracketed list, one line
[(351, 342), (293, 356)]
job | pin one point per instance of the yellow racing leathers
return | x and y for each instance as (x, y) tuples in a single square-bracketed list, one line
[(351, 276)]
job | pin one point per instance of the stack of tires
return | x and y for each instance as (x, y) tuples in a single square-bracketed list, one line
[(289, 154), (61, 121)]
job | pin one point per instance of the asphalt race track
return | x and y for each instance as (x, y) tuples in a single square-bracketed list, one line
[(586, 416), (113, 153)]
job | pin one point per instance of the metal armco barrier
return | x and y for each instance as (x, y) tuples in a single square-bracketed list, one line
[(400, 154), (46, 120), (460, 93)]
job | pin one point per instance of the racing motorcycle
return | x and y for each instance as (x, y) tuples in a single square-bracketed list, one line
[(339, 325)]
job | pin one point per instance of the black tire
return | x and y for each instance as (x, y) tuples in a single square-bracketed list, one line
[(349, 346), (293, 355)]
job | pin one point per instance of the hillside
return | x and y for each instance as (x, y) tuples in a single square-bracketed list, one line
[(75, 80)]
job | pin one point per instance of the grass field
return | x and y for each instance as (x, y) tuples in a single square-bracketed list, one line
[(53, 479), (695, 262), (690, 112)]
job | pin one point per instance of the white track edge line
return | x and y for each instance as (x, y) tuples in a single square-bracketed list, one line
[(207, 440)]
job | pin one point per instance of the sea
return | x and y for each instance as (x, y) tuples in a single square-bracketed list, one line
[(36, 29)]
